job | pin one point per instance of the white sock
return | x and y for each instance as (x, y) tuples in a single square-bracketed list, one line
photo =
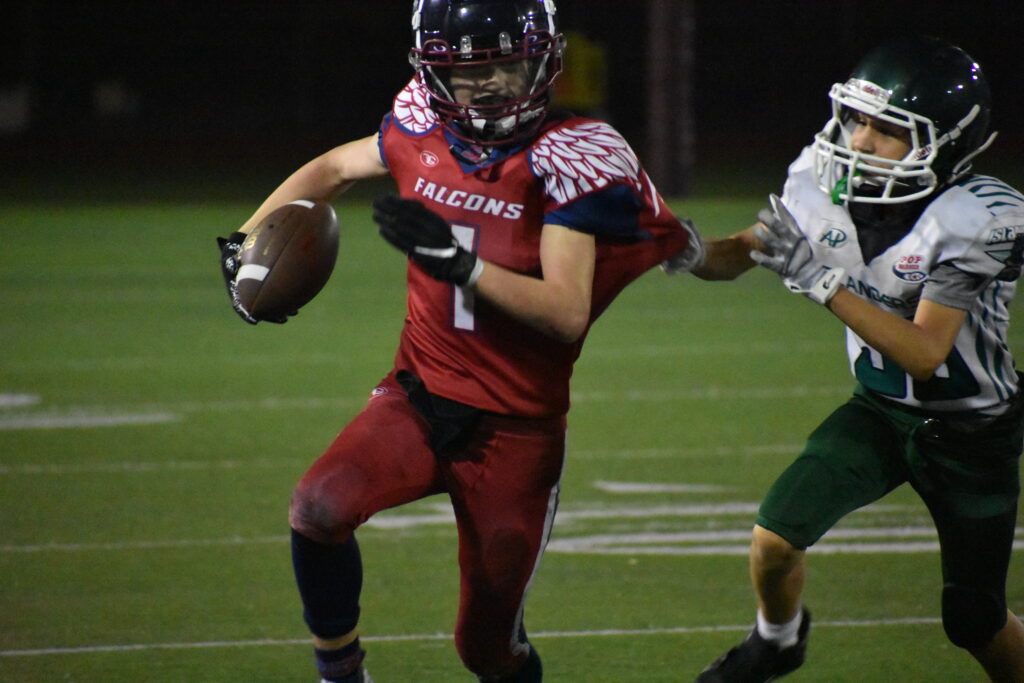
[(783, 635)]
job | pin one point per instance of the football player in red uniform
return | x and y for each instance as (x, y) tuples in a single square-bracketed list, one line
[(520, 224)]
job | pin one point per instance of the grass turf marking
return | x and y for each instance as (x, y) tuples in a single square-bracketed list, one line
[(676, 630)]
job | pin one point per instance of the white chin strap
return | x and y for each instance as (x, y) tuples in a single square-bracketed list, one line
[(502, 126)]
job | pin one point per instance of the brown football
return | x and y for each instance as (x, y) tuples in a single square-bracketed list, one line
[(287, 259)]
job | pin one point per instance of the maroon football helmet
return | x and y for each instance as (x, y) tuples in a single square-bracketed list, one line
[(460, 41)]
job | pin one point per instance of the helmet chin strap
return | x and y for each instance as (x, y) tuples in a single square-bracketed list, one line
[(848, 186), (497, 127)]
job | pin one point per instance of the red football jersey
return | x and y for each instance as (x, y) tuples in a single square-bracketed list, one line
[(577, 172)]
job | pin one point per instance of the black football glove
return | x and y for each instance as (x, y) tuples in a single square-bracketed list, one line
[(426, 238), (229, 248)]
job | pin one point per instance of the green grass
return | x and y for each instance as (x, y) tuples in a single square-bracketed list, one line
[(170, 534)]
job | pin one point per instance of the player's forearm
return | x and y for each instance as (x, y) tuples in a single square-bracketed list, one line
[(316, 180), (916, 349), (559, 310), (325, 177), (727, 258)]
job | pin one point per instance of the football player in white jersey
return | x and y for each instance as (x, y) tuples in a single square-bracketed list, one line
[(883, 223)]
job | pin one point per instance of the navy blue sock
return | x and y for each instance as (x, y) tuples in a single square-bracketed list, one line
[(330, 578)]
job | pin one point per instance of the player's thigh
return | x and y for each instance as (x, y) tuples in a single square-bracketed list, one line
[(505, 494), (381, 459), (970, 481), (852, 459)]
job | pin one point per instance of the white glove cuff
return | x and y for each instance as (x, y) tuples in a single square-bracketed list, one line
[(693, 256), (826, 286), (474, 275)]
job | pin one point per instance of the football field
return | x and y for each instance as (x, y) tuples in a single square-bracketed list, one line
[(149, 442)]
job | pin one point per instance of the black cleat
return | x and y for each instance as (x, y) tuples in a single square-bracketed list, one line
[(757, 660)]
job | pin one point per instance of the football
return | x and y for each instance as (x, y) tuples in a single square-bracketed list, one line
[(287, 259)]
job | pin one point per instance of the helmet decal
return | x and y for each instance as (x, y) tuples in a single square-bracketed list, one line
[(869, 91)]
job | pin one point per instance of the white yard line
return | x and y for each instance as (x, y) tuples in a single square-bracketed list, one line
[(596, 349), (625, 487), (640, 543), (744, 348), (8, 401), (113, 415), (143, 545), (672, 630), (144, 466), (712, 393), (78, 420)]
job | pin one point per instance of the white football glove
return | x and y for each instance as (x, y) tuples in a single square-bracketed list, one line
[(691, 257), (787, 252)]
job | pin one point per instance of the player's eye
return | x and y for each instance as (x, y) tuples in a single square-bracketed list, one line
[(849, 115), (892, 131)]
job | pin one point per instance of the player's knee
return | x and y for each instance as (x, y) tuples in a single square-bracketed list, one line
[(971, 618), (771, 551), (316, 517)]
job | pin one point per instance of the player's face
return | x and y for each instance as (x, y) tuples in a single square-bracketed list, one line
[(880, 138), (489, 84)]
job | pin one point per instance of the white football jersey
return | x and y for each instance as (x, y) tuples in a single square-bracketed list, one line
[(970, 226)]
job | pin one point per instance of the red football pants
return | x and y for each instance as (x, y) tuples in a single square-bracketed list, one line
[(503, 487)]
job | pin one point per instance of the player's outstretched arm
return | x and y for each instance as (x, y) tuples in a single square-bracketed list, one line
[(729, 257)]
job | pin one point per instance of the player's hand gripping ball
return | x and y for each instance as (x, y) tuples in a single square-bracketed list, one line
[(283, 263)]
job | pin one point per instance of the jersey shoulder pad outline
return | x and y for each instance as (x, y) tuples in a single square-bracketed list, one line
[(582, 156), (411, 109)]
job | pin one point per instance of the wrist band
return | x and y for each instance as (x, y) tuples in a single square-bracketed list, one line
[(826, 286), (474, 274)]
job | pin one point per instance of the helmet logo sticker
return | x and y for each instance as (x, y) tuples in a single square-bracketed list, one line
[(834, 238), (910, 268), (870, 91)]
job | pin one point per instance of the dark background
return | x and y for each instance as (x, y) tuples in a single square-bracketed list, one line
[(241, 89)]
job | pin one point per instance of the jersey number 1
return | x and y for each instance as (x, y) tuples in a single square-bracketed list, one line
[(463, 300)]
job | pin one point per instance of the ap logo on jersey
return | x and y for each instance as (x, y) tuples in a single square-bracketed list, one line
[(910, 268), (834, 238)]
